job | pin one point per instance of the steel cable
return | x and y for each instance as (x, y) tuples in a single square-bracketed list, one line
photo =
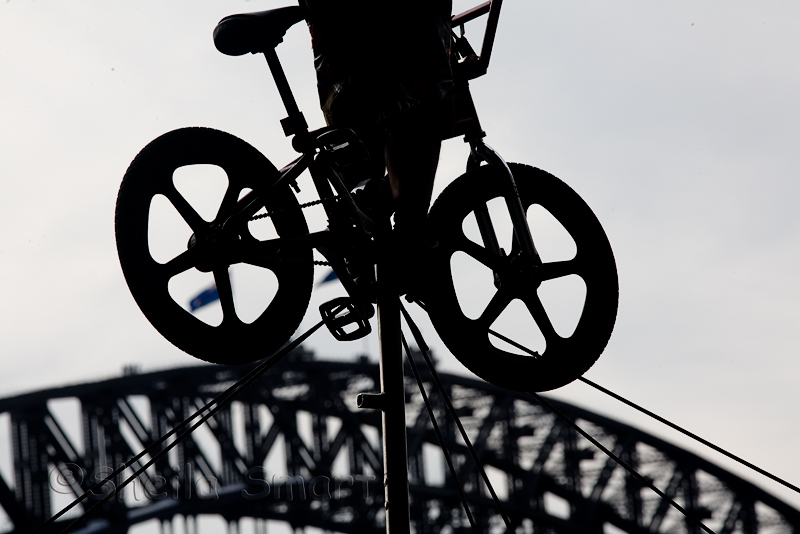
[(439, 436), (423, 347), (662, 420), (218, 402), (620, 461), (596, 443), (690, 434)]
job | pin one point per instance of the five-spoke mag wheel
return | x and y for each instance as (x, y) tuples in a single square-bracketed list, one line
[(209, 247), (515, 295)]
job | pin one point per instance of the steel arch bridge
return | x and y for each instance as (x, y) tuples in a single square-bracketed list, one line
[(294, 448)]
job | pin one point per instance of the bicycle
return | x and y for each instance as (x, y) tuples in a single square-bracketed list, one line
[(256, 189)]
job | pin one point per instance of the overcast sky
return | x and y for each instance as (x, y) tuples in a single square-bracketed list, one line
[(676, 121)]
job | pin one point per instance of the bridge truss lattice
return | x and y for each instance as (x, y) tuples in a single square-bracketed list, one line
[(294, 448)]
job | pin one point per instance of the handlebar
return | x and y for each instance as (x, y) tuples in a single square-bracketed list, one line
[(476, 65)]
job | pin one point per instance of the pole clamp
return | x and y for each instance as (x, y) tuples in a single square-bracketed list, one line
[(371, 401)]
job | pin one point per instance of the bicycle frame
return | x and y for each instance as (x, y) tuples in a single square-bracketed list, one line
[(469, 67), (319, 156), (319, 147), (480, 64), (372, 265)]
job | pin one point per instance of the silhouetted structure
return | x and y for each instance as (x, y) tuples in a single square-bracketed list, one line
[(300, 419)]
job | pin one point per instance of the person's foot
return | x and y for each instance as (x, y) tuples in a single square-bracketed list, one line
[(355, 268), (374, 198), (363, 274)]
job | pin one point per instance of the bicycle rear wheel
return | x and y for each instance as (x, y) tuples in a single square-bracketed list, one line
[(150, 182), (488, 337)]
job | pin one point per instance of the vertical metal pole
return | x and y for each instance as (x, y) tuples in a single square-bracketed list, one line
[(395, 448)]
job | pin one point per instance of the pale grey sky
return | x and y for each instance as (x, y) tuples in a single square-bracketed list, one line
[(677, 122)]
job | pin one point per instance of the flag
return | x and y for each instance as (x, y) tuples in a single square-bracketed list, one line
[(329, 278), (206, 297)]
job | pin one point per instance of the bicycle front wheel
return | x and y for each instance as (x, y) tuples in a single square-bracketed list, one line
[(171, 250), (513, 322)]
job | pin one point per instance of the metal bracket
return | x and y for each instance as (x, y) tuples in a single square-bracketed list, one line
[(341, 313), (371, 401), (294, 124)]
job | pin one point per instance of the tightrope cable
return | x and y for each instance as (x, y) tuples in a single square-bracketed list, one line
[(662, 420), (690, 434), (219, 402), (423, 347), (620, 461), (596, 443), (439, 436)]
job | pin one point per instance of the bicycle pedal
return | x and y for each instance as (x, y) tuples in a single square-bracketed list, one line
[(344, 320)]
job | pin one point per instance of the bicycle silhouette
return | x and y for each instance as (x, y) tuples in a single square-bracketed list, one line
[(257, 189)]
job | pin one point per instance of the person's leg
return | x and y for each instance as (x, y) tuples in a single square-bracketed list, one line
[(412, 156)]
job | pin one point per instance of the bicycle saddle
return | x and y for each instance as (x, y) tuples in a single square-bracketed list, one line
[(258, 32)]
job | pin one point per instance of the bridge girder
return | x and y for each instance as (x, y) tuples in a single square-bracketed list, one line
[(293, 447)]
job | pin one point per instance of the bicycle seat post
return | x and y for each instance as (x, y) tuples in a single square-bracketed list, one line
[(262, 32), (295, 123)]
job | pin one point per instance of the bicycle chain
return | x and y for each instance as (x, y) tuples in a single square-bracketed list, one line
[(301, 207)]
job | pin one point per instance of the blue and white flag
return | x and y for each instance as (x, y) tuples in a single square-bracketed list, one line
[(329, 278), (206, 297)]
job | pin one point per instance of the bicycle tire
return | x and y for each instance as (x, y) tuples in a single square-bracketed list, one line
[(564, 359), (151, 174)]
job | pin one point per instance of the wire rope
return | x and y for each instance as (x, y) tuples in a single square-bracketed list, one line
[(620, 461), (423, 347), (592, 440), (662, 420), (439, 436), (218, 402), (690, 434)]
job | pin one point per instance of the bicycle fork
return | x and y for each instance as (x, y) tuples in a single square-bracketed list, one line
[(480, 151)]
